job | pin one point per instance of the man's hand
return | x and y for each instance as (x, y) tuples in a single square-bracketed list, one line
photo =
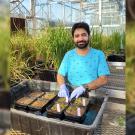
[(64, 92), (102, 80), (77, 92)]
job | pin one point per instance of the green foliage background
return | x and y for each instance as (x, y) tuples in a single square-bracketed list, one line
[(50, 45), (130, 66)]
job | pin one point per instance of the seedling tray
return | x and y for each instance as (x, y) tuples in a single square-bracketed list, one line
[(54, 114), (49, 95), (35, 94), (61, 100), (22, 105), (75, 118), (79, 101), (33, 107)]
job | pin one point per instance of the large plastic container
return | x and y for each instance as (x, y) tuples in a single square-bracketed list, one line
[(40, 125), (117, 68), (117, 78)]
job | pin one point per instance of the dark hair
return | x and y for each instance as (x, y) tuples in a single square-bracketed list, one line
[(80, 25)]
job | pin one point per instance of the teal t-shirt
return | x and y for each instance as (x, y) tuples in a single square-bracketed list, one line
[(83, 69)]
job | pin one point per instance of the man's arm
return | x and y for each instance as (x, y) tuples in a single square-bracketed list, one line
[(63, 92), (102, 80), (60, 79)]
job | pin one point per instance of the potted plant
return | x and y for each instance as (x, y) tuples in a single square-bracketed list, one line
[(54, 42), (43, 66), (117, 43), (21, 58), (112, 45)]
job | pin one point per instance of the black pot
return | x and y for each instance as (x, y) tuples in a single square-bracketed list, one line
[(5, 99), (116, 58), (47, 75), (13, 83), (130, 124)]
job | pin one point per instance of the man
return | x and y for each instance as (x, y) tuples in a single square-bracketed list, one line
[(84, 67)]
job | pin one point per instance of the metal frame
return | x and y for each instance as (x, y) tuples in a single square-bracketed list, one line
[(103, 14)]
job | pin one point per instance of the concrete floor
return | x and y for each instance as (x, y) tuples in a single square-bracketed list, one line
[(109, 124)]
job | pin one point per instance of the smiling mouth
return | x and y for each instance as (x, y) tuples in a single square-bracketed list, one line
[(81, 42)]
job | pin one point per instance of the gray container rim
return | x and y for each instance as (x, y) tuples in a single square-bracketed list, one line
[(118, 64)]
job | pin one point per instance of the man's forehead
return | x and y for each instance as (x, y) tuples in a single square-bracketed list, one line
[(80, 30)]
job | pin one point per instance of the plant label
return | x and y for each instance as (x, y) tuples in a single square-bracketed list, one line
[(78, 112), (84, 102), (58, 107), (66, 99)]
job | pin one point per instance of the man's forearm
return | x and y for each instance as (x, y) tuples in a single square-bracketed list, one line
[(60, 79), (97, 83)]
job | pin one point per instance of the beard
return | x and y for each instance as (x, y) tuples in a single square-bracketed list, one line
[(82, 44)]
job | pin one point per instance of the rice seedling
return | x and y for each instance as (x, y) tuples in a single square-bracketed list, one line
[(21, 57), (109, 44), (55, 42)]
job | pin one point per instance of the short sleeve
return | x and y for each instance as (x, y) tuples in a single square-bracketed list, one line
[(103, 68), (63, 66)]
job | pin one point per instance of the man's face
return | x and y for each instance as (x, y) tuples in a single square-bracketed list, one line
[(81, 38)]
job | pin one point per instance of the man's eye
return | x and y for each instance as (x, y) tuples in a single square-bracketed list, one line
[(76, 36), (84, 34)]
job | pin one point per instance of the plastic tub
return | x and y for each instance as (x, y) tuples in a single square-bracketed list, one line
[(41, 125)]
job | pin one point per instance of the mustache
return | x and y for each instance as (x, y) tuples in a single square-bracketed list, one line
[(82, 41)]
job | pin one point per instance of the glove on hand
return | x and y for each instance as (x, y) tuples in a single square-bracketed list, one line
[(77, 92), (64, 92)]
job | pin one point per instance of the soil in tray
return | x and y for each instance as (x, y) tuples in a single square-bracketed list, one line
[(38, 105), (57, 111), (62, 100), (82, 101), (24, 101), (36, 94), (75, 111), (49, 95), (57, 108)]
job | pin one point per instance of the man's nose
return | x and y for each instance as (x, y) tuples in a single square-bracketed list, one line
[(80, 38)]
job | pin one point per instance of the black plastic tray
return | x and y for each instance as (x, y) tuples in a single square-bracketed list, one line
[(88, 101), (23, 106), (78, 119), (59, 115), (28, 94), (57, 98), (38, 109), (49, 99)]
